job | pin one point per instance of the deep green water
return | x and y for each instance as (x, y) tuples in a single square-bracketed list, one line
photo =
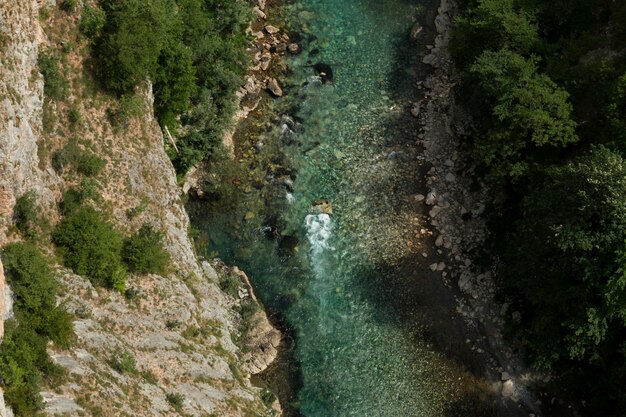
[(351, 285)]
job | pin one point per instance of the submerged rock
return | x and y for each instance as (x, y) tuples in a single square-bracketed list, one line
[(324, 71), (323, 206)]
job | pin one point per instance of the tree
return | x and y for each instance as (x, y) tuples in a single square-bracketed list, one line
[(131, 42), (566, 260), (493, 25), (527, 111)]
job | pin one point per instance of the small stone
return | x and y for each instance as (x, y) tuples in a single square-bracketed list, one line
[(508, 388), (450, 177), (439, 241), (424, 254), (434, 211), (259, 13), (433, 267), (271, 29), (262, 4), (249, 216), (449, 163), (441, 266), (293, 48), (415, 110), (504, 376), (418, 198), (415, 31), (274, 87), (431, 197)]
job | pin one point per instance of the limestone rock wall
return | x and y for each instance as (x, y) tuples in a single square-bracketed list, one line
[(171, 335)]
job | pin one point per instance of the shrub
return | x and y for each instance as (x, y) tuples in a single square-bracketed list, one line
[(55, 86), (92, 21), (68, 5), (176, 400), (24, 360), (230, 285), (83, 161), (144, 253), (91, 247), (128, 106), (25, 215), (34, 287), (124, 363), (74, 198)]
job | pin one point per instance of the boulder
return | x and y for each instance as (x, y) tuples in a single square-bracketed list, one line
[(271, 29), (274, 87)]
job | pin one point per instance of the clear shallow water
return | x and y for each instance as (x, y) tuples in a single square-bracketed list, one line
[(341, 280)]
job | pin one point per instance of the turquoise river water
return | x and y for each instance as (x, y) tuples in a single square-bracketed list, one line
[(352, 285)]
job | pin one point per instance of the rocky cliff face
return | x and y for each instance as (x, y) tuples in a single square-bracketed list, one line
[(171, 336)]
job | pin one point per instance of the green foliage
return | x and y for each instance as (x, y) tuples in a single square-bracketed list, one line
[(24, 361), (82, 160), (194, 52), (92, 21), (176, 400), (230, 285), (528, 111), (144, 252), (131, 42), (175, 83), (26, 215), (124, 363), (493, 25), (91, 247), (55, 85), (573, 240), (74, 198), (128, 106), (565, 263), (68, 5)]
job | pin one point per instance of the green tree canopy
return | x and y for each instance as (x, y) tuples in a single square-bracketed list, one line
[(528, 111), (566, 260), (493, 25)]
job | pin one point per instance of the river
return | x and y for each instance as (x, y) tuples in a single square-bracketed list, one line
[(374, 330)]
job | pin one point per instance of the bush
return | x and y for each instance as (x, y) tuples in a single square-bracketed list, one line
[(55, 86), (230, 285), (91, 247), (176, 400), (144, 253), (25, 215), (75, 198), (124, 363), (92, 21), (83, 161), (128, 106), (24, 360), (68, 5)]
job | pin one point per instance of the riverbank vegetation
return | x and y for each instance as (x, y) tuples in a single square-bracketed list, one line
[(192, 51), (550, 138)]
